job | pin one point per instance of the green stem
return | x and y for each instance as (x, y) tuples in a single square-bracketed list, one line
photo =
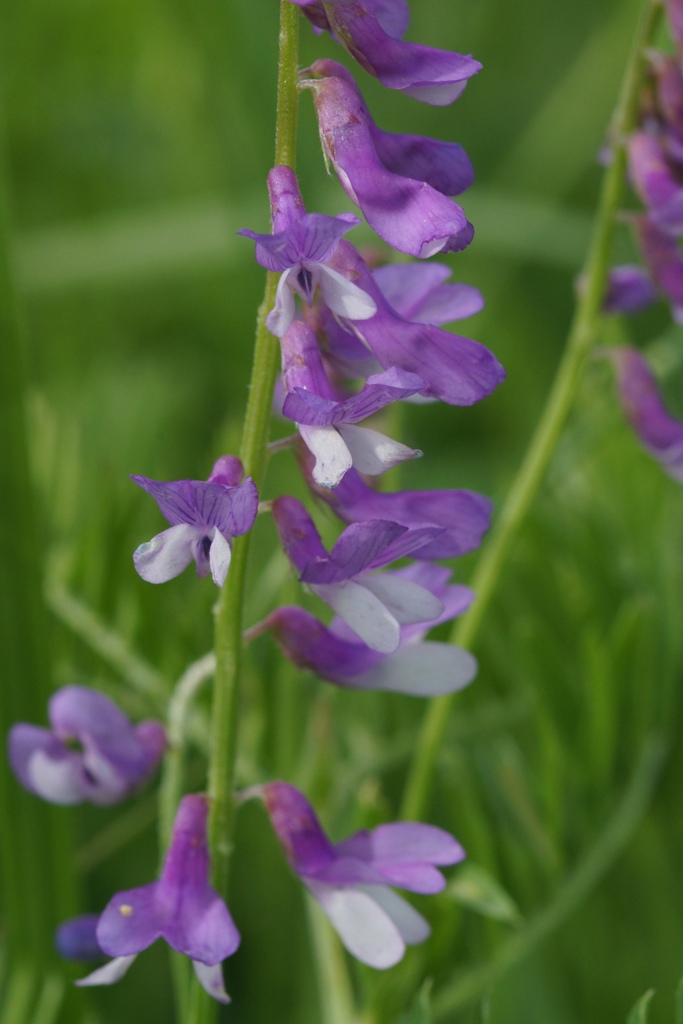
[(559, 403), (254, 454)]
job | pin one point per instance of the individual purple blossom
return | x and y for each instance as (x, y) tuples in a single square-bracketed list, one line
[(371, 31), (463, 516), (91, 753), (664, 262), (352, 880), (181, 908), (328, 425), (655, 182), (417, 667), (375, 605), (204, 517), (629, 289), (300, 249), (407, 212), (659, 432), (457, 370)]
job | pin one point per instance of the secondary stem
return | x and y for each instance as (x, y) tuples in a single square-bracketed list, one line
[(557, 408)]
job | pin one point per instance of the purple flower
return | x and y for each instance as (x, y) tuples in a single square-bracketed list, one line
[(204, 517), (658, 431), (181, 908), (92, 753), (655, 182), (371, 31), (422, 669), (463, 516), (457, 370), (327, 425), (374, 605), (664, 262), (352, 880), (404, 210), (629, 290), (300, 249)]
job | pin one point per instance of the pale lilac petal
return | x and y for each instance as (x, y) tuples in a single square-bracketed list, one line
[(421, 669), (211, 979), (343, 297), (372, 452), (109, 974), (408, 841), (412, 926), (367, 931), (363, 612), (166, 555), (332, 457), (25, 742), (282, 314), (219, 558), (59, 780), (408, 602), (417, 292)]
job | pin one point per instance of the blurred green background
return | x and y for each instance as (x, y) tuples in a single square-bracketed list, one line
[(137, 138)]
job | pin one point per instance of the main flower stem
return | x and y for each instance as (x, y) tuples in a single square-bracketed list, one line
[(559, 403), (228, 623)]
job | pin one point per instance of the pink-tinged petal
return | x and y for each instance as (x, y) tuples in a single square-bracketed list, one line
[(363, 612), (421, 670), (408, 602), (297, 827), (412, 926), (367, 931), (219, 558), (211, 979), (659, 432), (332, 457), (409, 215), (372, 452), (343, 297), (166, 555), (109, 974), (457, 370), (432, 76), (298, 534)]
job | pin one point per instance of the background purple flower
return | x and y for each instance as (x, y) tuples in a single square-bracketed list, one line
[(92, 753)]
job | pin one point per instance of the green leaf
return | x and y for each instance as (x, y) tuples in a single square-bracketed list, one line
[(639, 1013), (478, 890)]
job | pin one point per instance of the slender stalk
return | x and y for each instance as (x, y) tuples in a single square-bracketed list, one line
[(558, 406), (254, 454)]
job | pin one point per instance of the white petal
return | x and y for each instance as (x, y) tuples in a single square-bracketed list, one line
[(372, 452), (407, 601), (343, 297), (437, 95), (424, 670), (211, 980), (431, 248), (59, 782), (412, 926), (363, 612), (282, 314), (167, 554), (367, 931), (110, 973), (332, 457), (219, 558)]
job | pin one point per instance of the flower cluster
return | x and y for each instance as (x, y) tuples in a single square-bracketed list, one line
[(354, 338)]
